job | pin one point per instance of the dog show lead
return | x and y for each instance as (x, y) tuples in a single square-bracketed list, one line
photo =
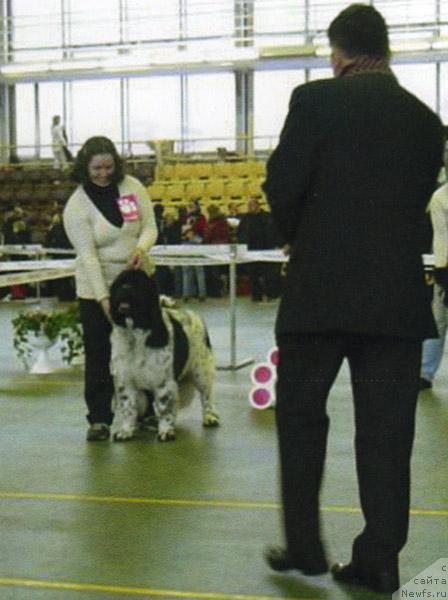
[(110, 222)]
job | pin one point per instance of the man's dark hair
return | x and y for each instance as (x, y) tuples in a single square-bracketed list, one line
[(360, 30), (96, 145)]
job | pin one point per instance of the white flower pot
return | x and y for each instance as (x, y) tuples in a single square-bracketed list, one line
[(42, 364)]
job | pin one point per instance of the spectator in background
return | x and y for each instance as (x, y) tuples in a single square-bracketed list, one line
[(257, 231), (193, 277), (57, 238), (59, 143), (163, 275), (172, 235), (16, 231), (433, 348), (217, 231)]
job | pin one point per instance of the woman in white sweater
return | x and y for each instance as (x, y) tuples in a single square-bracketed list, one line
[(110, 221)]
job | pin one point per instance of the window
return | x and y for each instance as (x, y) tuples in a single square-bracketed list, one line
[(444, 93), (50, 104), (96, 110), (154, 110), (95, 22), (37, 25), (420, 80), (272, 90), (207, 20), (281, 22), (152, 20), (25, 119), (324, 73), (211, 111)]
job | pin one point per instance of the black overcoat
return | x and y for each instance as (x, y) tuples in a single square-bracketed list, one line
[(348, 187)]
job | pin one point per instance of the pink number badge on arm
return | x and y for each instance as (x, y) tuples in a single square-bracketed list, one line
[(128, 206)]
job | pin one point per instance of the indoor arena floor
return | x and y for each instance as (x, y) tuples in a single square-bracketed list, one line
[(189, 519)]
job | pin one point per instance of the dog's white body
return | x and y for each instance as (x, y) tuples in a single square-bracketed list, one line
[(136, 367)]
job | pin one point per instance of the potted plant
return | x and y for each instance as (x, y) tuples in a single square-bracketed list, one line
[(41, 329)]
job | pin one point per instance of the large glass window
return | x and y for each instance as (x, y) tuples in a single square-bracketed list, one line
[(322, 13), (95, 22), (272, 91), (420, 80), (281, 22), (407, 11), (96, 110), (50, 104), (25, 119), (207, 20), (324, 73), (37, 25), (154, 20), (444, 93), (211, 111), (154, 110)]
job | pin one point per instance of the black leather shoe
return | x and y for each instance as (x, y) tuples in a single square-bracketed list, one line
[(279, 560), (382, 581)]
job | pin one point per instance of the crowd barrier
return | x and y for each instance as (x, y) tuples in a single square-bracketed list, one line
[(43, 268)]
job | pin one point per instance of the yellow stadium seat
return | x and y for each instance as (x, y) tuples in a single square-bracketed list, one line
[(235, 188), (253, 188), (165, 172), (204, 170), (184, 171), (259, 168), (194, 189), (174, 191), (241, 169), (256, 169), (214, 189), (156, 191), (222, 169)]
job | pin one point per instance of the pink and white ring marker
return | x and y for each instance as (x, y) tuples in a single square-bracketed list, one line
[(264, 376)]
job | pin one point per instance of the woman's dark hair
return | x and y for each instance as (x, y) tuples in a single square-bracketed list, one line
[(360, 30), (96, 145)]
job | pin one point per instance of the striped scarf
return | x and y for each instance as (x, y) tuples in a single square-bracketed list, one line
[(366, 64)]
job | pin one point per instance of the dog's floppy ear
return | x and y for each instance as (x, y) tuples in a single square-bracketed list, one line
[(158, 338)]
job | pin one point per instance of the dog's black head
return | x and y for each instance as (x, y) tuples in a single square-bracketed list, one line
[(134, 295)]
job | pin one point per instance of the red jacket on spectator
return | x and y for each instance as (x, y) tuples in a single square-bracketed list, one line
[(217, 231)]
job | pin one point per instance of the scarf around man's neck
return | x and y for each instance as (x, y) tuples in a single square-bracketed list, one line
[(366, 64)]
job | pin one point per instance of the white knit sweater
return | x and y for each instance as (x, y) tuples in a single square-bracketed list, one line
[(103, 249)]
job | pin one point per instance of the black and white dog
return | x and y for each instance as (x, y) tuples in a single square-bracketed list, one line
[(162, 350)]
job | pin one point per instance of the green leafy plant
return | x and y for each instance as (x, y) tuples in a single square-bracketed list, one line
[(64, 325)]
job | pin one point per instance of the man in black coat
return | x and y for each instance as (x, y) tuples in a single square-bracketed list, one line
[(348, 186)]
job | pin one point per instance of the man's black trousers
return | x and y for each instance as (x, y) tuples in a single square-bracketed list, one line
[(385, 381)]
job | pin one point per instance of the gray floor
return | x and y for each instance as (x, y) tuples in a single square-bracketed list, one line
[(188, 519)]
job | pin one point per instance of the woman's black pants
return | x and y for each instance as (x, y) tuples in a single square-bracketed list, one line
[(98, 383)]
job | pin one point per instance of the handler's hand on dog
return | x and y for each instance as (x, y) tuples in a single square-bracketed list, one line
[(105, 305), (136, 261)]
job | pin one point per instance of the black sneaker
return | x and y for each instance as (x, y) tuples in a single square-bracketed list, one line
[(425, 384), (98, 432)]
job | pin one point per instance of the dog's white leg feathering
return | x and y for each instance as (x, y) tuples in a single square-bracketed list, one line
[(165, 404), (127, 411), (204, 372)]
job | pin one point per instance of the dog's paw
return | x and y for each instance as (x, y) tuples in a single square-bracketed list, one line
[(166, 436), (123, 435), (211, 420)]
